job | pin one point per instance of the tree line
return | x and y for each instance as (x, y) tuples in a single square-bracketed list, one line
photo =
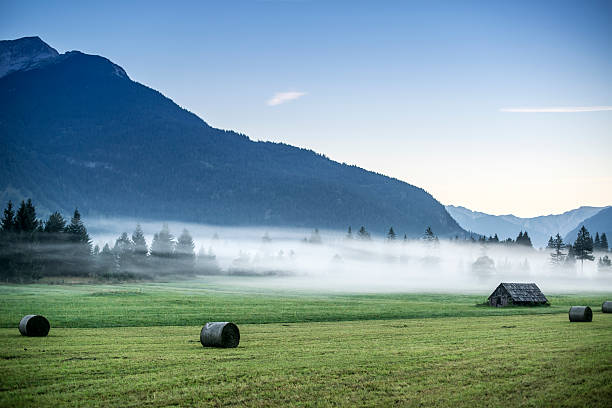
[(32, 248), (583, 249)]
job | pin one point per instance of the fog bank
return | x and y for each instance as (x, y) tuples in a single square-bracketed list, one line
[(295, 259)]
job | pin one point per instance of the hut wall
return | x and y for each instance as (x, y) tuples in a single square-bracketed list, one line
[(499, 298)]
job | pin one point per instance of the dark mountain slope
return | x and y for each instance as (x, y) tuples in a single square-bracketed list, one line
[(78, 132), (600, 222)]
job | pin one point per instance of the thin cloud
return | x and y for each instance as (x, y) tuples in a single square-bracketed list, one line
[(558, 109), (282, 97)]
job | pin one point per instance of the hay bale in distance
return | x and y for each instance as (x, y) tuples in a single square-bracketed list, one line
[(606, 306), (34, 326), (220, 334), (580, 314)]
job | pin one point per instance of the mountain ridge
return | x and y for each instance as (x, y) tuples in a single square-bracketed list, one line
[(79, 131), (540, 228)]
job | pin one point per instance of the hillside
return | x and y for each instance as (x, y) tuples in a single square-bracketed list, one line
[(78, 131), (600, 222)]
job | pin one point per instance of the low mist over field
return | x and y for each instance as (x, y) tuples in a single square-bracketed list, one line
[(334, 261)]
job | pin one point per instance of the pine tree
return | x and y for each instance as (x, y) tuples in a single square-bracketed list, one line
[(557, 256), (124, 252), (8, 219), (550, 244), (55, 224), (429, 235), (78, 232), (78, 254), (583, 246), (596, 243), (603, 245), (185, 246), (140, 243), (363, 234), (107, 262), (206, 262), (524, 240), (163, 243), (349, 234), (391, 234), (26, 221)]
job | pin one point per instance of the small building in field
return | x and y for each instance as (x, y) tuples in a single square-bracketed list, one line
[(519, 294)]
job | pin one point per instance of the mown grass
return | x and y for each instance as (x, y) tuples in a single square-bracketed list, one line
[(137, 345), (493, 361), (194, 303)]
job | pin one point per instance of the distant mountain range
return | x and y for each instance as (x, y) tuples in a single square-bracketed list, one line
[(76, 131), (539, 228)]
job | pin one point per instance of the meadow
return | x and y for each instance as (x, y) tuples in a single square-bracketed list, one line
[(138, 345)]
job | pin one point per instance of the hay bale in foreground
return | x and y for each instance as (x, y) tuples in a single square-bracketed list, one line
[(220, 334), (34, 326), (580, 314), (606, 307)]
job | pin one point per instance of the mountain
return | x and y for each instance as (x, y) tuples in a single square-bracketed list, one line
[(509, 226), (76, 131), (23, 54), (600, 222)]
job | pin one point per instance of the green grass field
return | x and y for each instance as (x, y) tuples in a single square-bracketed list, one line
[(137, 345)]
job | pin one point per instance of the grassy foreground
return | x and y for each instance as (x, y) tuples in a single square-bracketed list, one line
[(138, 345), (541, 360)]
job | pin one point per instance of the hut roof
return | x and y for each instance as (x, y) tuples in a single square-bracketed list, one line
[(524, 292)]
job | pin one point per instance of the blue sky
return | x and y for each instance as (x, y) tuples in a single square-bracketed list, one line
[(414, 90)]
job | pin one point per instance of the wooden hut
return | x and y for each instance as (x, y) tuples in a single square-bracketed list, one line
[(523, 294)]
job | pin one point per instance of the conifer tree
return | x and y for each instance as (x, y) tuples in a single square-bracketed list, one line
[(78, 232), (185, 246), (55, 224), (8, 218), (524, 240), (596, 243), (349, 233), (107, 262), (430, 236), (556, 244), (583, 246), (78, 254), (391, 234), (124, 253), (363, 234), (163, 243), (603, 245), (25, 220), (140, 243)]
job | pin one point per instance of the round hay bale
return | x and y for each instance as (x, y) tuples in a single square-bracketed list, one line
[(34, 326), (220, 334), (580, 314), (606, 307)]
